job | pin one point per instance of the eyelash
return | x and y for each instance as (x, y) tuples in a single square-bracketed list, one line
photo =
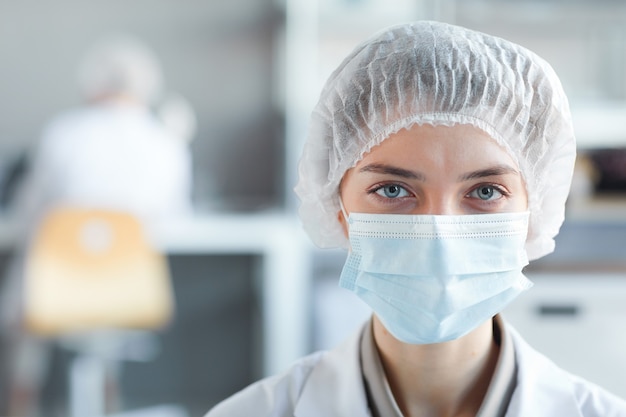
[(503, 191), (378, 187)]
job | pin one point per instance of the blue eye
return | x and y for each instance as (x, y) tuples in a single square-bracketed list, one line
[(392, 191), (486, 192)]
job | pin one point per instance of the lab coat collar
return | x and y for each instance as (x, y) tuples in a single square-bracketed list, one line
[(335, 386), (543, 389)]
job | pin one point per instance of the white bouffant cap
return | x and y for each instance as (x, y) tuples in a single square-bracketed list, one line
[(120, 64), (440, 74)]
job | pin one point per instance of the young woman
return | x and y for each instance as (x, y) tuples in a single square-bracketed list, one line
[(442, 158)]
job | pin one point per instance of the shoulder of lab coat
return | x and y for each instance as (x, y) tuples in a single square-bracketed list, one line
[(545, 390), (325, 384)]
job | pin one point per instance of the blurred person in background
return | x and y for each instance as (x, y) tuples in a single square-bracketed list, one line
[(441, 158), (119, 151), (115, 151)]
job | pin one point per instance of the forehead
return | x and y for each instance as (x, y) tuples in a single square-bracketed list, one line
[(444, 145)]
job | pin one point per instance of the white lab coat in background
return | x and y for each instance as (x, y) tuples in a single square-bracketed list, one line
[(330, 384), (115, 156)]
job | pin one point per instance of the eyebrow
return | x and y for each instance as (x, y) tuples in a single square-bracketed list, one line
[(392, 170), (489, 172), (416, 175)]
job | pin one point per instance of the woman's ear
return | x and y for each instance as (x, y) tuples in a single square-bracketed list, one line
[(343, 222)]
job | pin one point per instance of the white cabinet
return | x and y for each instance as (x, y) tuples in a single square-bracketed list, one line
[(578, 320)]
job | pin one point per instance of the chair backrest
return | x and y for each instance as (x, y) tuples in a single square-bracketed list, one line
[(90, 269)]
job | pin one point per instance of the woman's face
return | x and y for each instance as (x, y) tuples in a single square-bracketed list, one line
[(434, 170)]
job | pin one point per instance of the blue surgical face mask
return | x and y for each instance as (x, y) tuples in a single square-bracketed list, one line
[(435, 278)]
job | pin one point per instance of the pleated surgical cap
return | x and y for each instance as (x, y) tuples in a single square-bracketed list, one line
[(439, 74)]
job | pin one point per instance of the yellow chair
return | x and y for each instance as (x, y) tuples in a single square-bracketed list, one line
[(94, 282), (92, 269)]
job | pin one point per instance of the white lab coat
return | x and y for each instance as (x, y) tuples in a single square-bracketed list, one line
[(330, 384), (114, 156)]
